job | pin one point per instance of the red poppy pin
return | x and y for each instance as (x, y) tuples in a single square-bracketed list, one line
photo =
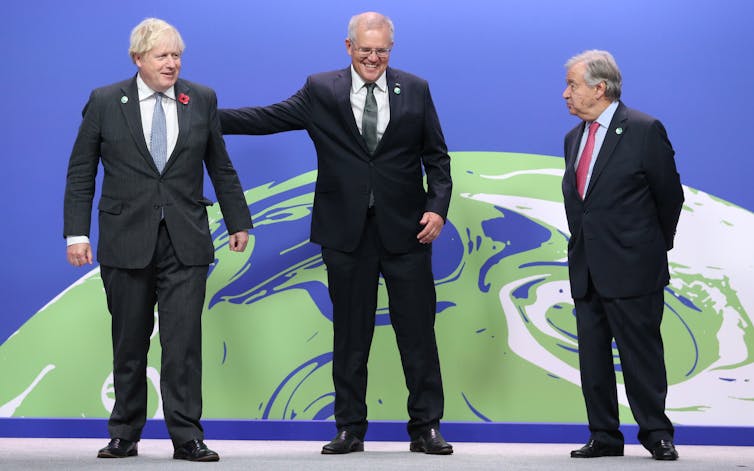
[(183, 98)]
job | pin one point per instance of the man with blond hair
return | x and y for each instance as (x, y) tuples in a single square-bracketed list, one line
[(153, 134)]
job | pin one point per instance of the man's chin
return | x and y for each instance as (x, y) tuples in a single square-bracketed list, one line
[(370, 75), (167, 85)]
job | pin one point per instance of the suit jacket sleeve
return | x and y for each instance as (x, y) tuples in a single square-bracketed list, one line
[(289, 115), (224, 177), (82, 171), (436, 161), (664, 180)]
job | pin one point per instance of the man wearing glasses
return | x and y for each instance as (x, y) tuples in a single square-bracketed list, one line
[(375, 129)]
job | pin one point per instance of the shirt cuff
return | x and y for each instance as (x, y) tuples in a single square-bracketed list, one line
[(70, 240)]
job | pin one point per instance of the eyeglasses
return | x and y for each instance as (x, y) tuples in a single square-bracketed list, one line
[(367, 51)]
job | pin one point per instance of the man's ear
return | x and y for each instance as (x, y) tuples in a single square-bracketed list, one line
[(599, 90)]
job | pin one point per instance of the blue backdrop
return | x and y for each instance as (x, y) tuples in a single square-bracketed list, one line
[(495, 70)]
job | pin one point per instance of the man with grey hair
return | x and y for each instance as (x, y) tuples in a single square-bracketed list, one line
[(623, 198), (376, 131), (153, 134)]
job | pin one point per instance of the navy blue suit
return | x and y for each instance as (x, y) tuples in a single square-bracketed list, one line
[(360, 244), (617, 258)]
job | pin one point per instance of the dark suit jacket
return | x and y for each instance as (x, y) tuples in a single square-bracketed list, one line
[(134, 193), (622, 230), (346, 172)]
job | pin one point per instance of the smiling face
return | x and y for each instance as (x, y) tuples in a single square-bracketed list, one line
[(370, 66), (159, 67)]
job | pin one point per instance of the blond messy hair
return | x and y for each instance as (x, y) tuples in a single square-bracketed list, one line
[(150, 32)]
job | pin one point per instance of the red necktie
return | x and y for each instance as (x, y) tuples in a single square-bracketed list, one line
[(586, 158)]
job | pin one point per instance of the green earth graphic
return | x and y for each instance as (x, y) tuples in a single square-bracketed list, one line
[(505, 323)]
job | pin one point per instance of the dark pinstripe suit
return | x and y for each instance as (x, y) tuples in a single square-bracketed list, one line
[(154, 242)]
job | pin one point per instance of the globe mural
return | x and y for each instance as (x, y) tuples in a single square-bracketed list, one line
[(505, 322)]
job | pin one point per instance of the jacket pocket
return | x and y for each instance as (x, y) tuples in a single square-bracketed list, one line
[(205, 202), (109, 205)]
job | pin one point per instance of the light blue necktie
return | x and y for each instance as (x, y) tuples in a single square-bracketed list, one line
[(159, 138)]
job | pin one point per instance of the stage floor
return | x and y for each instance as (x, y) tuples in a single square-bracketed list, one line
[(64, 454)]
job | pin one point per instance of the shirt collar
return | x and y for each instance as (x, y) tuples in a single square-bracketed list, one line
[(146, 92), (357, 82), (607, 115)]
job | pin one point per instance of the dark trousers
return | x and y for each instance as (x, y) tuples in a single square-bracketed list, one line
[(634, 323), (178, 291), (353, 280)]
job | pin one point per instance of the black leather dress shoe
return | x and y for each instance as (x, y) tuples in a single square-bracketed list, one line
[(119, 448), (432, 443), (344, 442), (664, 450), (595, 449), (195, 450)]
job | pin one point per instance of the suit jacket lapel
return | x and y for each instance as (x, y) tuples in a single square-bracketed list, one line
[(132, 112), (573, 150), (608, 145), (342, 93), (184, 120), (396, 103)]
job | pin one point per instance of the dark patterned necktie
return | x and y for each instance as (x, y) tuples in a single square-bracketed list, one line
[(369, 120)]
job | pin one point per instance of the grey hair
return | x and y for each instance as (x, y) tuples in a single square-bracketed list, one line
[(600, 67), (370, 20), (147, 34)]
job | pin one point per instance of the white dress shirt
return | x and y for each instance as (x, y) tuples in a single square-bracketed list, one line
[(359, 96)]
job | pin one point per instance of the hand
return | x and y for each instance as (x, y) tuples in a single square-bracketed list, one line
[(79, 254), (238, 241), (433, 224)]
